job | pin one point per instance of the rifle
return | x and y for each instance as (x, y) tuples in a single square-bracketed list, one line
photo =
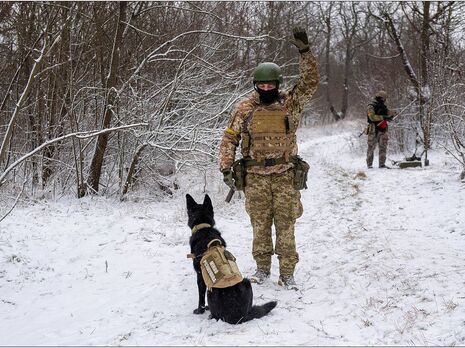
[(230, 194), (364, 131)]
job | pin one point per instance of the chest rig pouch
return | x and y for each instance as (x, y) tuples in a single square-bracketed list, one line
[(271, 135), (218, 266)]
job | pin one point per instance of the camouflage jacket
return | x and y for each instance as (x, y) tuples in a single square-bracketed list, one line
[(376, 113), (293, 102)]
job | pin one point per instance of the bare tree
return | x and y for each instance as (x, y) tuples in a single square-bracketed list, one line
[(24, 95), (177, 67), (110, 100)]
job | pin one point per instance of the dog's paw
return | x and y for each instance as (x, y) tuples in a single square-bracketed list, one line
[(199, 310)]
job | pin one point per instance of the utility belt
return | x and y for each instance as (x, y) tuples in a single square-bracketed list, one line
[(300, 169)]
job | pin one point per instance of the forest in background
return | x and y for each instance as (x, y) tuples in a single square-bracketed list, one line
[(108, 97)]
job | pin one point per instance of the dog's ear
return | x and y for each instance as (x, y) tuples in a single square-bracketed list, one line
[(207, 202), (190, 202)]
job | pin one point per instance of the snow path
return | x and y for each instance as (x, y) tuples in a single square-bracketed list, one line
[(381, 262)]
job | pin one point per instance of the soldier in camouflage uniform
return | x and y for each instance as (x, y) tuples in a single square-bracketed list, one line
[(378, 116), (265, 124)]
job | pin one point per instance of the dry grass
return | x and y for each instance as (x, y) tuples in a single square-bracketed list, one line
[(450, 305), (367, 322)]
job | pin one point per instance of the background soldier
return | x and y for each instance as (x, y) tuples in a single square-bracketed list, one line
[(265, 124), (378, 116)]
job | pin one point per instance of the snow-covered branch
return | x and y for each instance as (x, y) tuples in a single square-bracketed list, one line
[(77, 135)]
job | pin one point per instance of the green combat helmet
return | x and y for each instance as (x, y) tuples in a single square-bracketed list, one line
[(266, 72), (381, 94)]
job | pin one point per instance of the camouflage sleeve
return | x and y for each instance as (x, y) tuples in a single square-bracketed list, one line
[(372, 115), (231, 138), (306, 85)]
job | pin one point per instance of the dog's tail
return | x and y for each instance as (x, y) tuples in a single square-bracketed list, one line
[(260, 311)]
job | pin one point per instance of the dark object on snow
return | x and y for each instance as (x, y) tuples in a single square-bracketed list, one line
[(409, 164), (412, 161), (413, 158), (231, 304)]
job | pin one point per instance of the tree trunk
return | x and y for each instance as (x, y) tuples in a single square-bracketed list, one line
[(111, 85), (345, 92), (425, 117), (327, 20), (60, 99), (132, 169)]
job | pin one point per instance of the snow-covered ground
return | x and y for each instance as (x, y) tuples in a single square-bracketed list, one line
[(382, 261)]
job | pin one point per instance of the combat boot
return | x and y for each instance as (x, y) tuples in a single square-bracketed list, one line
[(259, 276), (288, 282)]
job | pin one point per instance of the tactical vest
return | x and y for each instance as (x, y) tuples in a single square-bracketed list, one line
[(268, 134), (380, 109), (218, 266), (378, 126)]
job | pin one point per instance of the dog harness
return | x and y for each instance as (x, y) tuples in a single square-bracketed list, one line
[(218, 266)]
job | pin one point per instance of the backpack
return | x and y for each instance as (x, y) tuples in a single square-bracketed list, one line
[(219, 268)]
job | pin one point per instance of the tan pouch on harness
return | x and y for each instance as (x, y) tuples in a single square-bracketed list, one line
[(219, 268)]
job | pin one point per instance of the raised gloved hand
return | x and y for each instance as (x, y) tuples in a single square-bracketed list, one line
[(300, 39), (228, 178)]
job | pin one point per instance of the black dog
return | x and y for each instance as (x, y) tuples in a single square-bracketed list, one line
[(232, 304)]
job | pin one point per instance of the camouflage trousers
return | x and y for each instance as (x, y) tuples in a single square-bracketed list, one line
[(272, 199), (380, 139)]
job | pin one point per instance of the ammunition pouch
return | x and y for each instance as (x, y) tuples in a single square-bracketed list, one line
[(238, 171), (301, 169), (218, 266)]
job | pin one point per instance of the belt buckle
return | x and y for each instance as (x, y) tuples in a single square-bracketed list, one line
[(269, 162)]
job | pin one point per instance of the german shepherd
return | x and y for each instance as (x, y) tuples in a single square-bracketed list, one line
[(232, 304)]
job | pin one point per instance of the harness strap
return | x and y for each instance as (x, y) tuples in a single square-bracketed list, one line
[(193, 256), (199, 227), (212, 241)]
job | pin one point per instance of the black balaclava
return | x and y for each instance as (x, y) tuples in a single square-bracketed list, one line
[(268, 97)]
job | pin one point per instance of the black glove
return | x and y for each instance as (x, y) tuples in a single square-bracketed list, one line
[(300, 40), (228, 178), (388, 118)]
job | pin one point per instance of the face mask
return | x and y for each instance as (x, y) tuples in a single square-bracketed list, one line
[(268, 97)]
